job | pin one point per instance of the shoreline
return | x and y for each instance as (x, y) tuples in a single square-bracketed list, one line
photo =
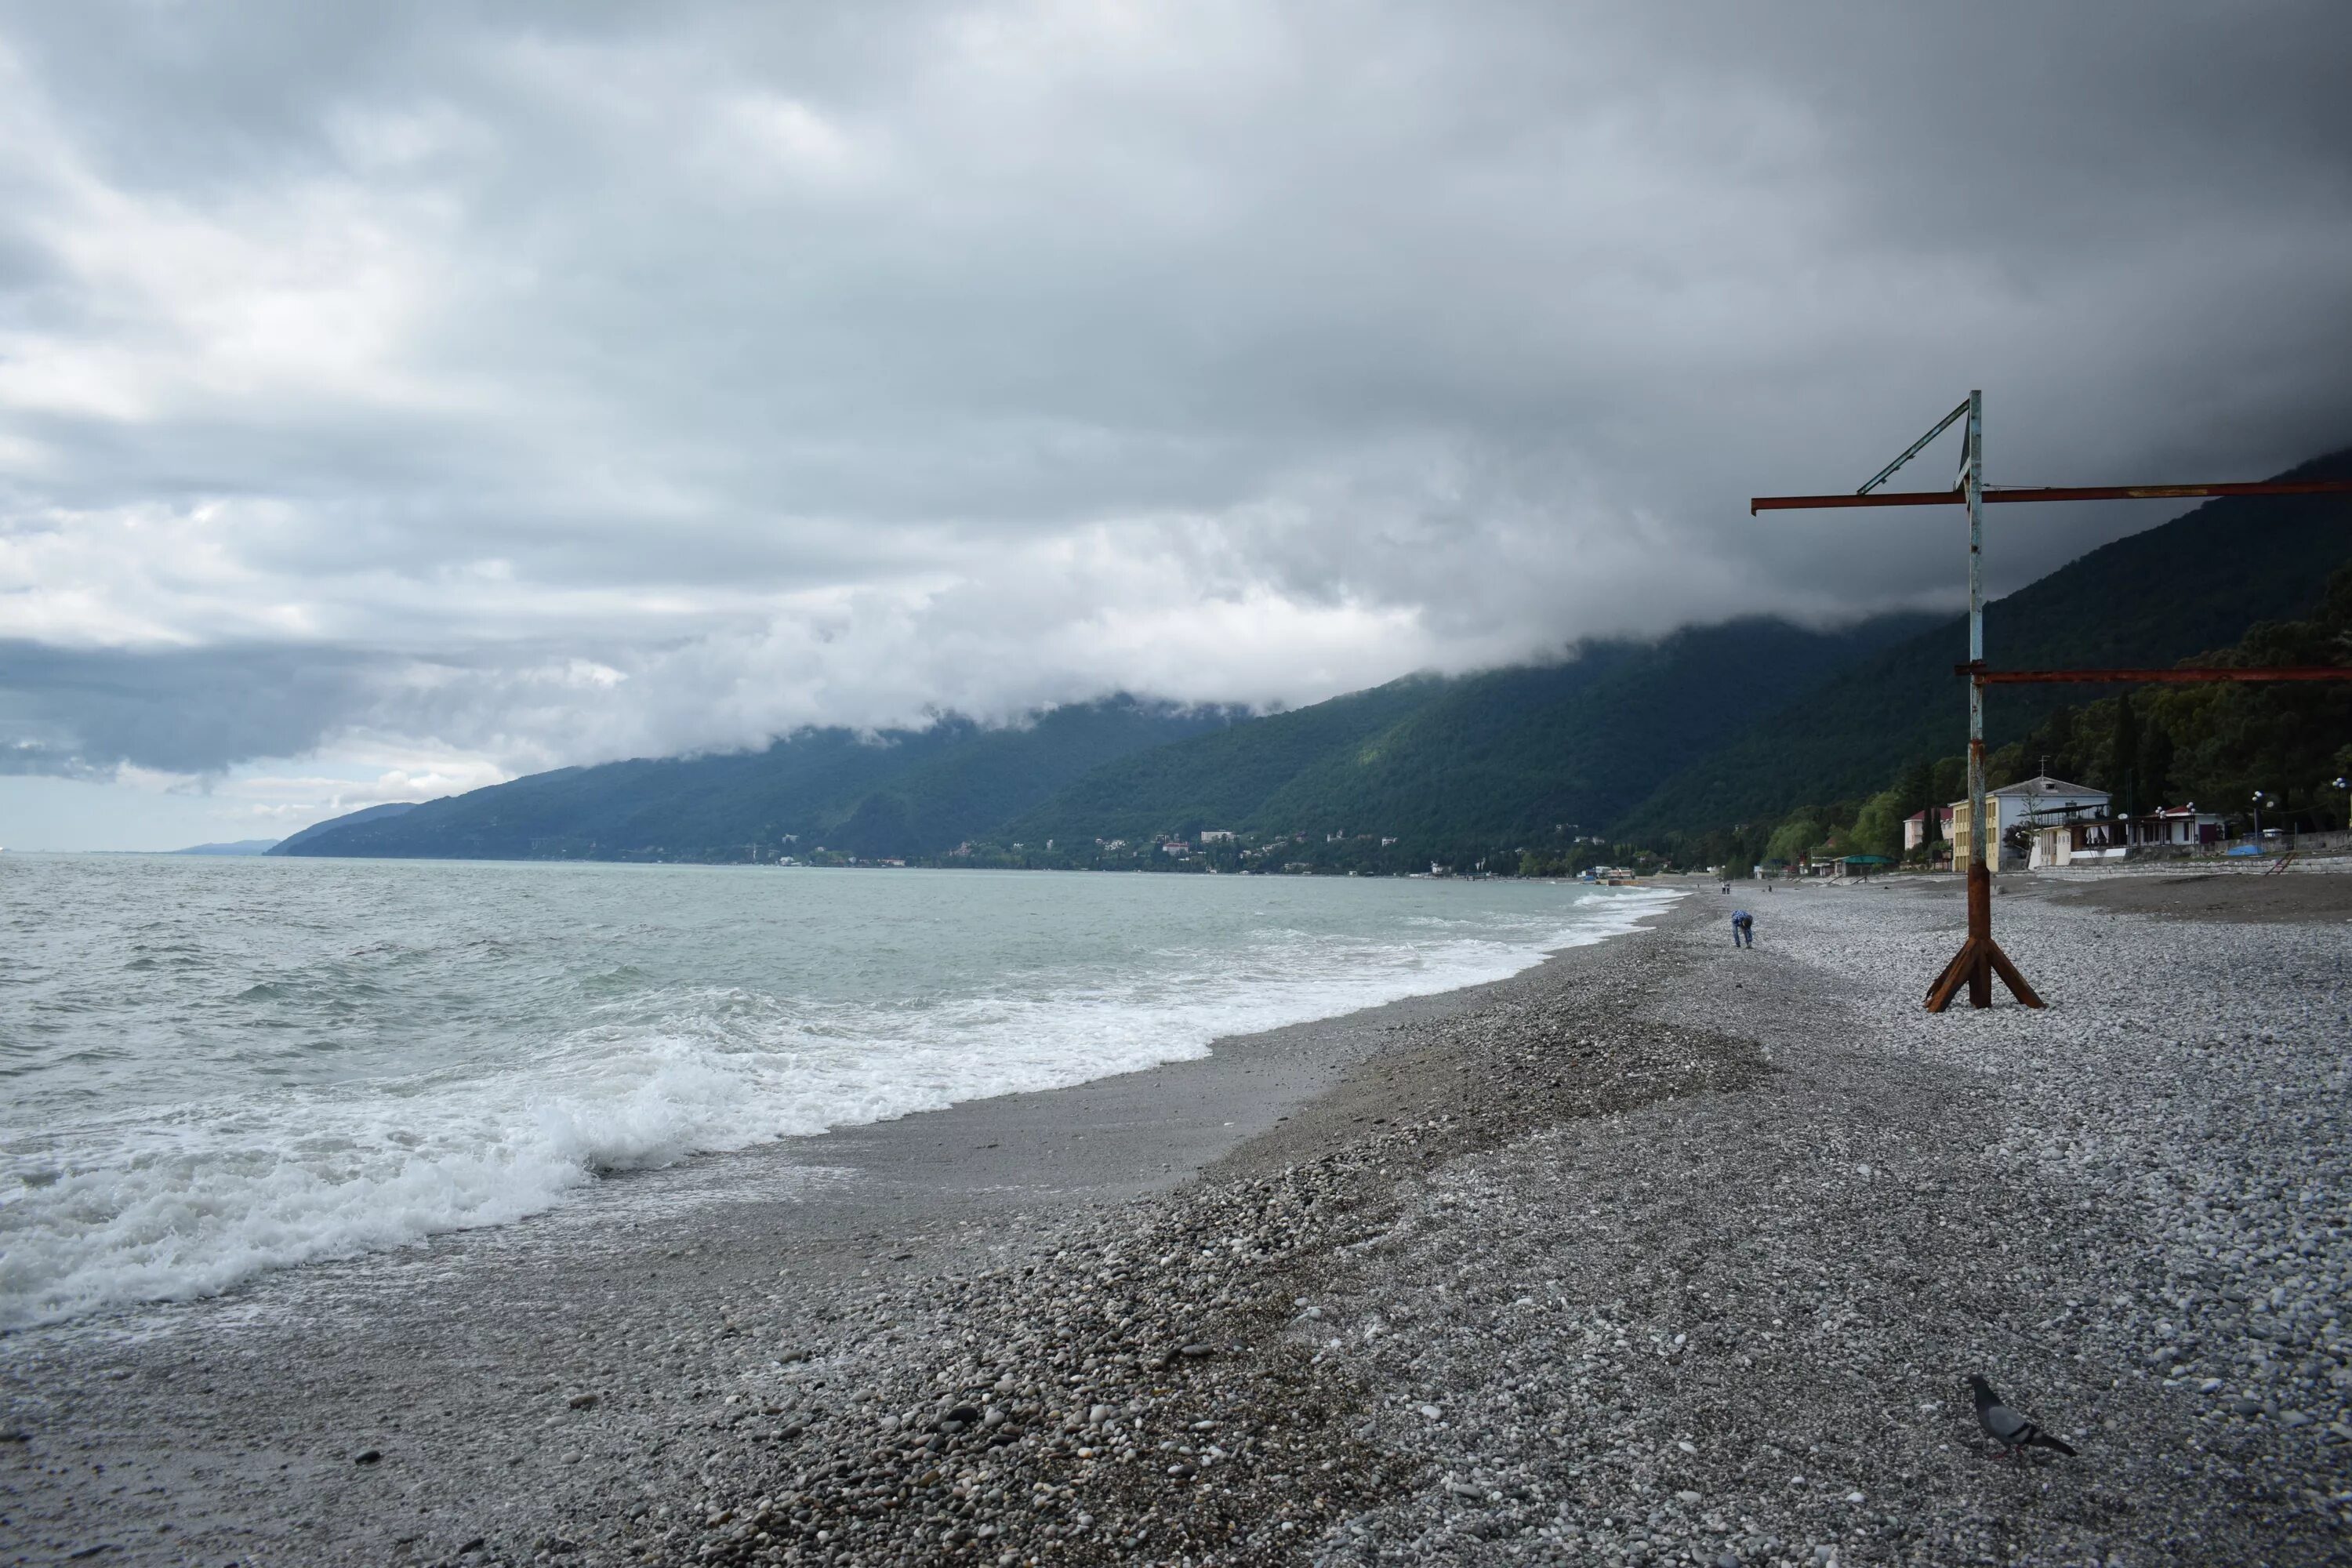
[(174, 1394), (529, 1112), (1648, 1253)]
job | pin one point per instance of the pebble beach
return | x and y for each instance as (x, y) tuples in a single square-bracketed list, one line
[(1664, 1252)]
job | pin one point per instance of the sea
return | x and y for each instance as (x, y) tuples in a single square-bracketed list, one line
[(213, 1069)]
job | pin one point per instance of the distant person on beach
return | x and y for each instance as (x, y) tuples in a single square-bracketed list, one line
[(1743, 928)]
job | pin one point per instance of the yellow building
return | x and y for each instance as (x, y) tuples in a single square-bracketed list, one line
[(1964, 830)]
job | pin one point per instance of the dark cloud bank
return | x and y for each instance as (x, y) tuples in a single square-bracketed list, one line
[(606, 380)]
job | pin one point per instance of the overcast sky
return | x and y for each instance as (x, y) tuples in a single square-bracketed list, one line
[(397, 399)]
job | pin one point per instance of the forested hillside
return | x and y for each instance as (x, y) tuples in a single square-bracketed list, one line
[(902, 792), (1461, 766), (2152, 598), (1221, 778), (2221, 746)]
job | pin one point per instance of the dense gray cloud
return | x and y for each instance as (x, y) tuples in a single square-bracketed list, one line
[(82, 713), (579, 381)]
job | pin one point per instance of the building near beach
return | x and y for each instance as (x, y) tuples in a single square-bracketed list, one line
[(2064, 843), (1915, 827), (2178, 825), (2029, 804), (2096, 839)]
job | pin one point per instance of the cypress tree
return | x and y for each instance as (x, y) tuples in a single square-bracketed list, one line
[(2155, 763), (2122, 762)]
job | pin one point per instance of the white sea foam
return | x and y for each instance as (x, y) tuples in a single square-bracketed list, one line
[(185, 1199)]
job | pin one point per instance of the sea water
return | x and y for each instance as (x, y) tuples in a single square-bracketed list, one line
[(210, 1069)]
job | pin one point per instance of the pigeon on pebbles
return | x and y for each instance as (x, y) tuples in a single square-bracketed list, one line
[(2007, 1427)]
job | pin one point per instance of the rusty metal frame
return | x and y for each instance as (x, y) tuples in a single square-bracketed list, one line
[(2194, 675), (1980, 958), (2048, 493)]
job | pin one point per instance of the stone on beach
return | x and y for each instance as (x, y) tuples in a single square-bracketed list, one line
[(1697, 1257), (1632, 1259)]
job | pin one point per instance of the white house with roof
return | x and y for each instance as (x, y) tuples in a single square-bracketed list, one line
[(2182, 826), (2029, 804)]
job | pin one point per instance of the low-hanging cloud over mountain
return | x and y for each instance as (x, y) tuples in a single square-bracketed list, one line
[(579, 380)]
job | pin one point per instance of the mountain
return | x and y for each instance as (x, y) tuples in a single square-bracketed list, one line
[(1455, 765), (1219, 779), (235, 847), (2150, 599), (1444, 764), (1711, 725), (899, 793), (291, 844)]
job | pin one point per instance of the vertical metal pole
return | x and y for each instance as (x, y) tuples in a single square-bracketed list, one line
[(1980, 855)]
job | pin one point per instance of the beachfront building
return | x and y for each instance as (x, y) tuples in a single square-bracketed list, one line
[(2172, 828), (2029, 804), (2177, 826), (1915, 827), (2066, 843)]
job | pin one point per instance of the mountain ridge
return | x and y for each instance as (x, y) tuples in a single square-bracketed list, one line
[(893, 792), (1643, 740), (1530, 751)]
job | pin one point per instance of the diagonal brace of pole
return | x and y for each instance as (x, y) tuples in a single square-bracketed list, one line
[(1914, 449)]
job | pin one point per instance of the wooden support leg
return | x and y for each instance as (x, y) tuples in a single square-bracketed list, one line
[(1940, 994), (1980, 958), (2008, 974), (1980, 935)]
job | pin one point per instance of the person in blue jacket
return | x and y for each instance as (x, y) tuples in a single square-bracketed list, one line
[(1743, 928)]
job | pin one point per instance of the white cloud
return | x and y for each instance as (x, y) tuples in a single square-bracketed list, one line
[(284, 804), (656, 380)]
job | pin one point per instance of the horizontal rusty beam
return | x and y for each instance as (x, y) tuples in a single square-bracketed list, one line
[(2050, 492), (2149, 677), (1876, 497)]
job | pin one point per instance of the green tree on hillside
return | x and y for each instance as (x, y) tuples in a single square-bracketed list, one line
[(1877, 828), (1794, 838), (2210, 744)]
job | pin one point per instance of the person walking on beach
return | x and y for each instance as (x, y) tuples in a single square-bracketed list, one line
[(1743, 928)]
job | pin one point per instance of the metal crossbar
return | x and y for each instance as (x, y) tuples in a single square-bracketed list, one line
[(2191, 676), (1980, 958), (2049, 493)]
